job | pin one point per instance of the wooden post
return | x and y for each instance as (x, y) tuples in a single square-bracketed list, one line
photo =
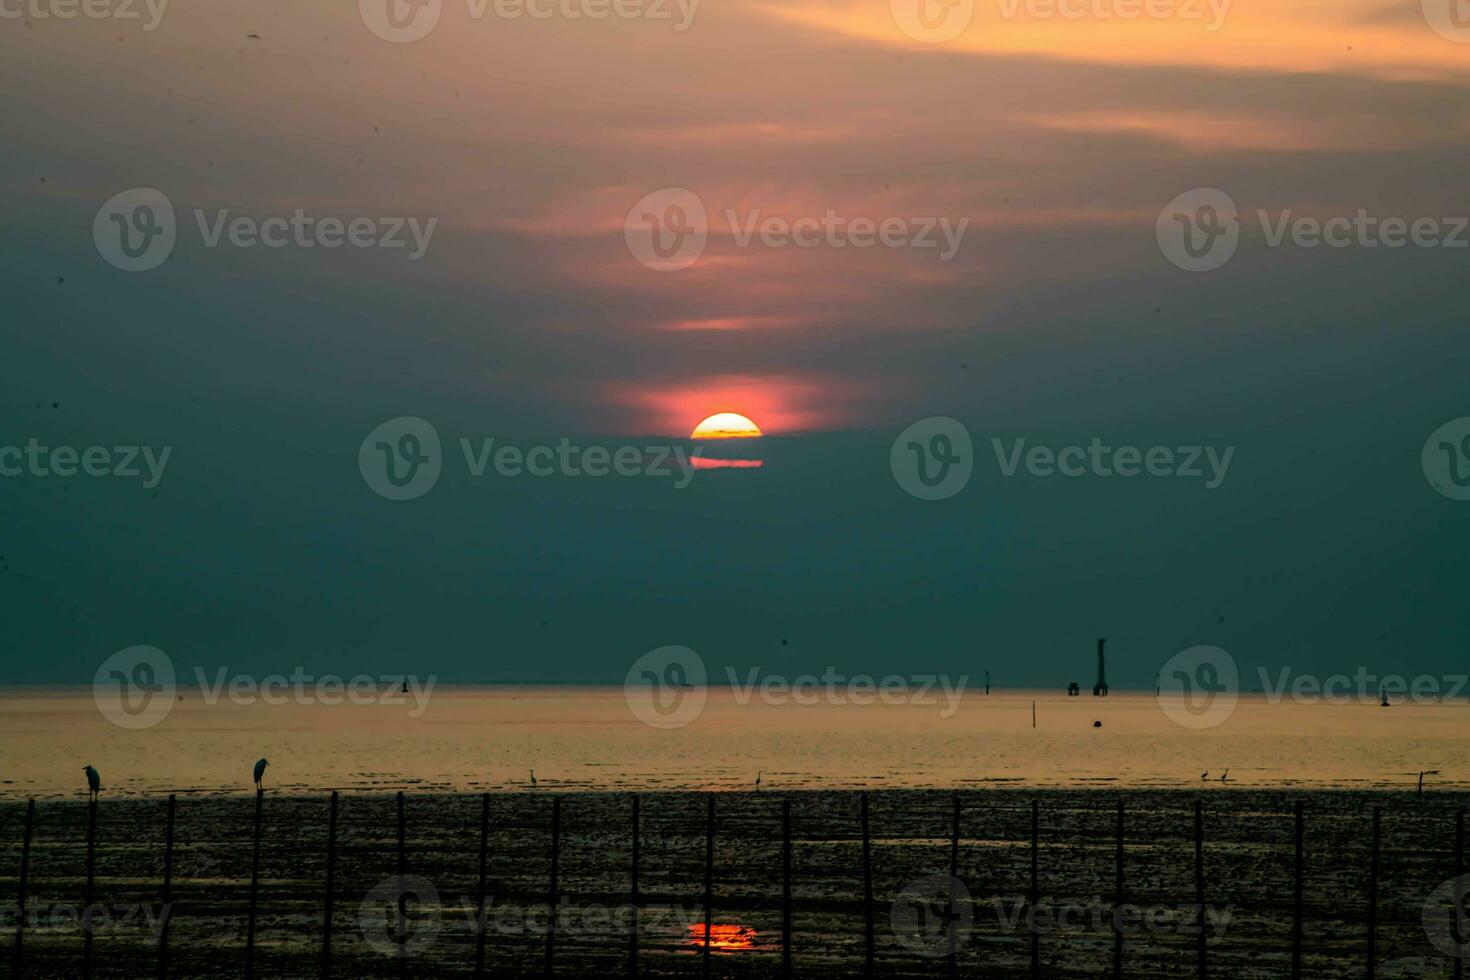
[(786, 888), (25, 864), (709, 878), (480, 903), (87, 900), (552, 896), (1457, 935), (867, 891), (168, 882), (1118, 901), (1296, 915), (954, 877), (633, 898), (1034, 894), (1199, 888), (330, 896), (254, 888), (1373, 899), (402, 937)]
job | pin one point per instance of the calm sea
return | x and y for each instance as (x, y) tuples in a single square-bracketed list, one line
[(579, 738)]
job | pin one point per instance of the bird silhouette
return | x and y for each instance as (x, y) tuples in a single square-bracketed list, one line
[(1205, 774), (260, 773), (1225, 776), (758, 780), (94, 782), (533, 777)]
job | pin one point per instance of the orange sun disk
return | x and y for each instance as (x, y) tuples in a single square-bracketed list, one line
[(726, 425)]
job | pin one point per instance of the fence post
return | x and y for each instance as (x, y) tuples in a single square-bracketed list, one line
[(254, 887), (1199, 887), (402, 891), (1373, 899), (786, 888), (1296, 915), (480, 904), (87, 899), (1034, 893), (168, 882), (954, 877), (329, 897), (709, 878), (1118, 901), (867, 890), (633, 898), (25, 864), (552, 897)]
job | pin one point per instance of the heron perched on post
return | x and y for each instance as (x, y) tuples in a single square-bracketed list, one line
[(260, 773), (94, 782)]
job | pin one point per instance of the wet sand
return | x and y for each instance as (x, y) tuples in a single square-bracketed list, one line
[(1247, 861)]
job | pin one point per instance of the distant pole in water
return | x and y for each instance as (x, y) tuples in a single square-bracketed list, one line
[(168, 878), (25, 864), (987, 682), (1373, 898), (1033, 714), (1100, 689)]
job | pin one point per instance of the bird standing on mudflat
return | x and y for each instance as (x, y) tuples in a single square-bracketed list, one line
[(94, 782), (260, 773)]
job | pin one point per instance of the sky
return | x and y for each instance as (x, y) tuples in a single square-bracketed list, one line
[(537, 146)]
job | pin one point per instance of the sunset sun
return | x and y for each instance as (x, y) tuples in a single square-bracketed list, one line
[(726, 425)]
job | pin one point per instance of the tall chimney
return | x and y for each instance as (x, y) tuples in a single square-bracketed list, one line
[(1100, 689)]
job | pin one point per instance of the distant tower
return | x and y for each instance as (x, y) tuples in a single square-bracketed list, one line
[(1100, 689), (987, 682)]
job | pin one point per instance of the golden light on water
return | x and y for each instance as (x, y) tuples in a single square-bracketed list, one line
[(724, 937)]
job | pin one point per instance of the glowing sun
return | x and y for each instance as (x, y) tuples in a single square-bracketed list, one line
[(726, 425)]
